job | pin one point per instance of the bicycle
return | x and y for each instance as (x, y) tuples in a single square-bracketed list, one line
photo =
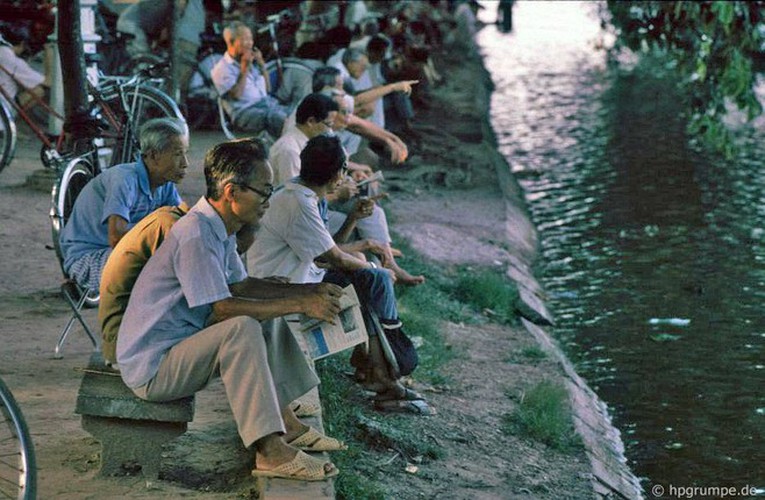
[(18, 466), (116, 99), (121, 106)]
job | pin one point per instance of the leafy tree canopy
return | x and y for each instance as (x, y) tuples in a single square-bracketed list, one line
[(713, 45)]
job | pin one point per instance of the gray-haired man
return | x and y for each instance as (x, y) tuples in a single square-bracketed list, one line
[(194, 315), (120, 196)]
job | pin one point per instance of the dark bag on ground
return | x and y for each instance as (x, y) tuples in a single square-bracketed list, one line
[(396, 346), (403, 350)]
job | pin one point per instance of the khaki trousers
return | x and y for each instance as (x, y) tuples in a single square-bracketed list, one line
[(262, 368)]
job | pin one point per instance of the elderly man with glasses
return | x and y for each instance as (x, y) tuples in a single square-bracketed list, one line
[(195, 315)]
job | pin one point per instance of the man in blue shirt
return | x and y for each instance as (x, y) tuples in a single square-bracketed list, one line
[(195, 315), (120, 196)]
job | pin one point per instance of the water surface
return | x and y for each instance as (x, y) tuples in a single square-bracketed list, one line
[(652, 254)]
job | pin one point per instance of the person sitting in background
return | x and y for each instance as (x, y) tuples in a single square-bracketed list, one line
[(329, 79), (353, 64), (397, 108), (314, 115), (116, 199), (18, 79), (375, 227), (195, 315), (245, 90), (294, 241)]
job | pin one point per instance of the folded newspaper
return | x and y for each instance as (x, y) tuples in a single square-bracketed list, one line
[(321, 338)]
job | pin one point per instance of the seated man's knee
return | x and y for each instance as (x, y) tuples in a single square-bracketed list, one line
[(244, 326)]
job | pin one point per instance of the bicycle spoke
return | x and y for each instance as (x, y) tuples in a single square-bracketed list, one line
[(17, 463)]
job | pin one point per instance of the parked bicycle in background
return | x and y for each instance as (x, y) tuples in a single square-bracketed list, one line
[(18, 467)]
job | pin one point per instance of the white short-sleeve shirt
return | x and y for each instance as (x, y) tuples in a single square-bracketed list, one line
[(284, 155), (19, 73), (224, 76), (292, 234)]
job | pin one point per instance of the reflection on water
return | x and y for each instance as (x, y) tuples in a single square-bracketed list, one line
[(653, 256)]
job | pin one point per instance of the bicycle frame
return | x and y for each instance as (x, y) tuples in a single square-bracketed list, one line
[(273, 21), (32, 125)]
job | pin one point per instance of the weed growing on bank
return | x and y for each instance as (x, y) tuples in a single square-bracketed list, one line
[(544, 414), (459, 295), (490, 292)]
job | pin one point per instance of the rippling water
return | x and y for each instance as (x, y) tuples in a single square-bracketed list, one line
[(653, 256)]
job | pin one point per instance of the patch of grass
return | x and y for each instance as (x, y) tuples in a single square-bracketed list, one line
[(340, 413), (534, 353), (349, 417), (544, 414), (489, 292)]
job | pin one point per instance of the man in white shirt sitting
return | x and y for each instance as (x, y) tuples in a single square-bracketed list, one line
[(294, 241), (245, 90)]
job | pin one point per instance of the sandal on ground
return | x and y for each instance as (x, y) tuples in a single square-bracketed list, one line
[(393, 394), (313, 440), (416, 407), (305, 409), (303, 467)]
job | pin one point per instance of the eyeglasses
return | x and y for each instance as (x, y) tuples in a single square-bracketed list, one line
[(263, 194)]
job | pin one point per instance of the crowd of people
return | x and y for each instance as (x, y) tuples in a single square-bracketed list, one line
[(178, 304)]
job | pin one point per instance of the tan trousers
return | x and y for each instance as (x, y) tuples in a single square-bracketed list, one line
[(263, 370)]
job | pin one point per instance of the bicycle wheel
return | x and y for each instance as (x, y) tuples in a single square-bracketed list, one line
[(288, 63), (144, 103), (77, 174), (7, 135), (18, 467)]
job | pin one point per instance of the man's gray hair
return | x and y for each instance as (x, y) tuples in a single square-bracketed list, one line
[(353, 54), (156, 135), (231, 31)]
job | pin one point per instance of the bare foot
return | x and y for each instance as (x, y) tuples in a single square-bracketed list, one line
[(271, 452), (404, 278)]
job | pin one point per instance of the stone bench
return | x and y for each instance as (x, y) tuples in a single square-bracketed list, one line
[(131, 430)]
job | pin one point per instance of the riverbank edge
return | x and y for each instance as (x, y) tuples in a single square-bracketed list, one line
[(611, 475)]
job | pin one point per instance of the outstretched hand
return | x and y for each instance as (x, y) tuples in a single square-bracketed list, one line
[(405, 86)]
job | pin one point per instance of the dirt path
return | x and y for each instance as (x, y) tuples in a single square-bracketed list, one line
[(447, 206)]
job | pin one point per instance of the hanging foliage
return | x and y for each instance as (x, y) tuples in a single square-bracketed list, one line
[(714, 46)]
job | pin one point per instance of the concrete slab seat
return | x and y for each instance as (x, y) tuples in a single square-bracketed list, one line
[(131, 430)]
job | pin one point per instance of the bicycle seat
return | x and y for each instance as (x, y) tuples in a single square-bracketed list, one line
[(151, 66)]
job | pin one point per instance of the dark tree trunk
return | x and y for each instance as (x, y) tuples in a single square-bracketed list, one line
[(77, 123)]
